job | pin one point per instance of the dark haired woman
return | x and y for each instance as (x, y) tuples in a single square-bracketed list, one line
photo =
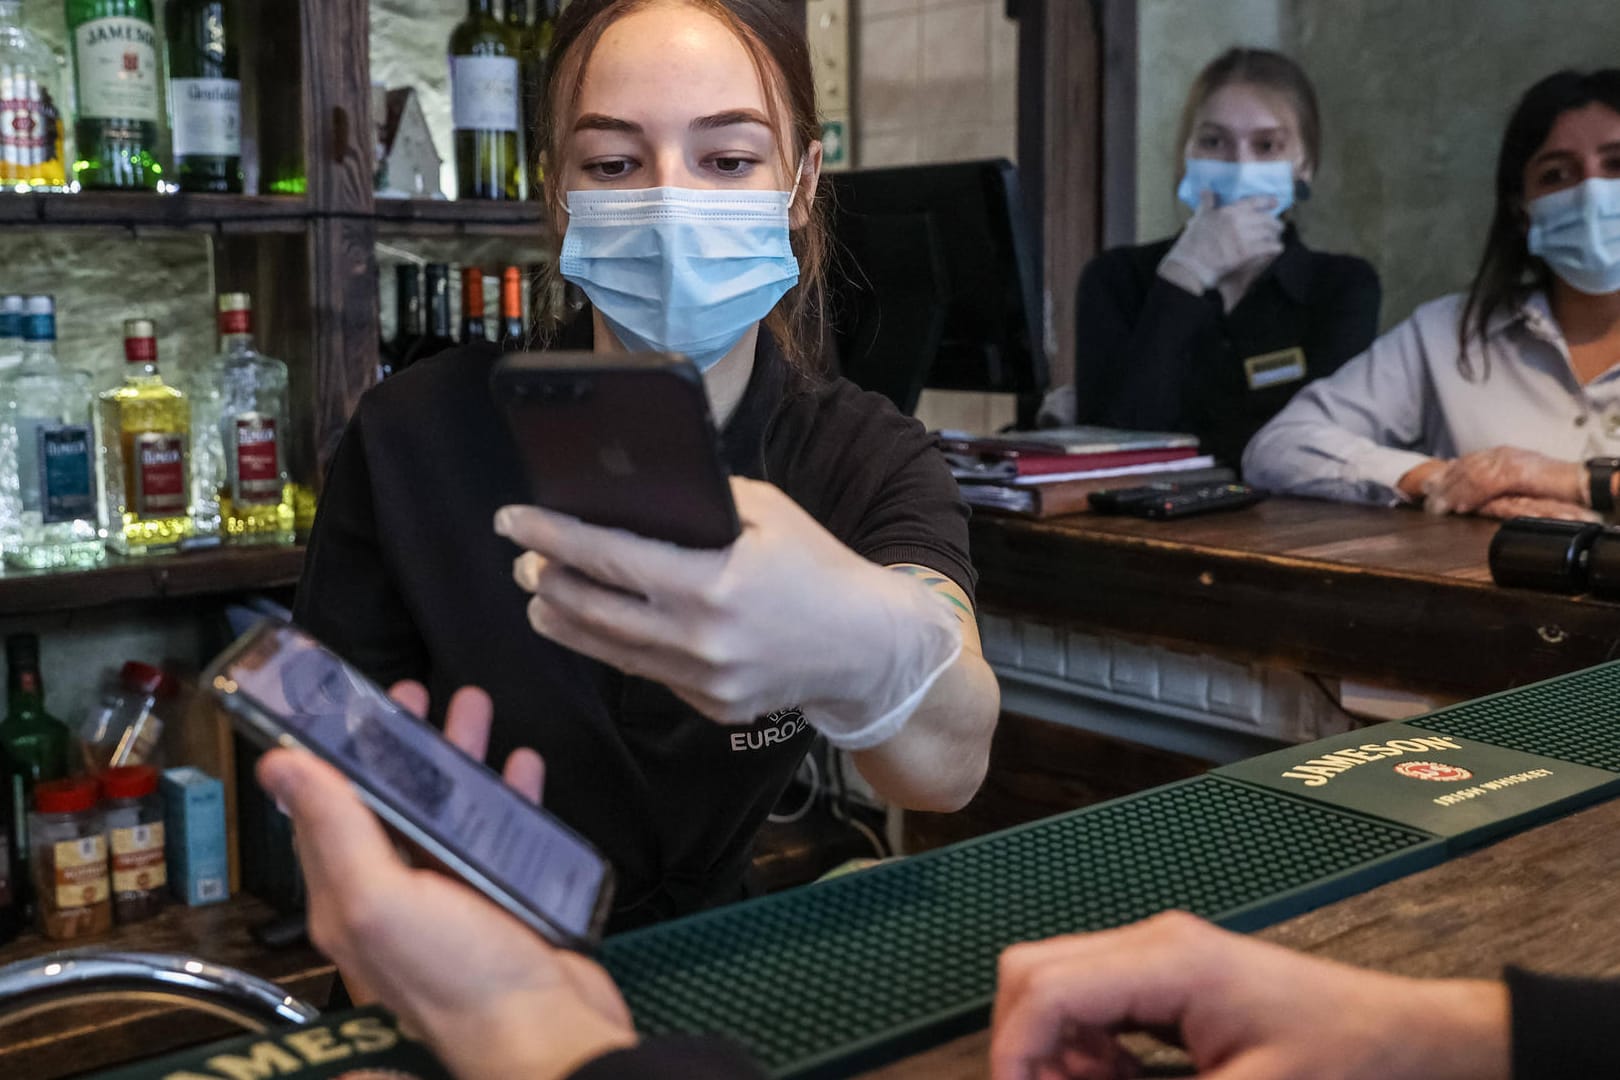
[(673, 693), (1503, 401), (1212, 331)]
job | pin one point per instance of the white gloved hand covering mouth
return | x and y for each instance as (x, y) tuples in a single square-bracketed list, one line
[(1220, 241), (786, 616)]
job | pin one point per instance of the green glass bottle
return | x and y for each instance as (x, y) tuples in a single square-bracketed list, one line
[(36, 743), (534, 49), (485, 86), (115, 64), (205, 95)]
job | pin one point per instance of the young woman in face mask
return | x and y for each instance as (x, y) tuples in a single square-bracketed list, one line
[(1503, 401), (673, 693), (1212, 331)]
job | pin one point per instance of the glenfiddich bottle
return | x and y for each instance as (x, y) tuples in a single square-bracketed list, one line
[(115, 60), (205, 95), (144, 430), (484, 92)]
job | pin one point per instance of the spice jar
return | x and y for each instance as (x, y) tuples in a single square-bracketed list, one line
[(134, 818), (69, 848)]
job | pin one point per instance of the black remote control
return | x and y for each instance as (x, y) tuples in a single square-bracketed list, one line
[(1165, 501)]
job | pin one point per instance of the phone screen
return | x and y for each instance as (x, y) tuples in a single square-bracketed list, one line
[(403, 762)]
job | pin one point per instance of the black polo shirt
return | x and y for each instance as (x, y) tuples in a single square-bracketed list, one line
[(1150, 355), (406, 578)]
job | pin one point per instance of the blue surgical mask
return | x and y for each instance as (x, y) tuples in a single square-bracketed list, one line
[(1577, 232), (1234, 180), (680, 270)]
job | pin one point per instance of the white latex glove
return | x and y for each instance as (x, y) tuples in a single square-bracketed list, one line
[(1218, 242), (787, 616)]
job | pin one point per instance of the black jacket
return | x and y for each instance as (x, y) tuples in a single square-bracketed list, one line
[(1151, 356)]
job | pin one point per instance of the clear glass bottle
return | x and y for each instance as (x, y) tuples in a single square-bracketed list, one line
[(241, 487), (144, 431), (11, 329), (31, 156), (47, 448)]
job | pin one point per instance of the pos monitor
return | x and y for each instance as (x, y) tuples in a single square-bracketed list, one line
[(933, 283)]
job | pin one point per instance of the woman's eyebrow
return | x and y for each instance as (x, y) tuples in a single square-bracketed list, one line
[(729, 118), (1547, 156), (600, 122)]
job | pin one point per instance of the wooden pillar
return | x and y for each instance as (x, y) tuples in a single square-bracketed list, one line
[(1076, 144), (343, 251)]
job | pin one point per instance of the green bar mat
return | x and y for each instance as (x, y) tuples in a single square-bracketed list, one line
[(846, 974), (1572, 718)]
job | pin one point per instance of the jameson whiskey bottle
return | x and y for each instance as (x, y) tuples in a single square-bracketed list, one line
[(205, 94), (144, 430), (35, 743), (48, 490), (484, 91), (30, 123), (115, 58), (240, 485)]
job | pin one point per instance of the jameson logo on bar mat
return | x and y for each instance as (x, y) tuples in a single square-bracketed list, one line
[(1451, 787), (362, 1045)]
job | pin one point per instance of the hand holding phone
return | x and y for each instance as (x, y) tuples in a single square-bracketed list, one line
[(623, 440), (282, 688)]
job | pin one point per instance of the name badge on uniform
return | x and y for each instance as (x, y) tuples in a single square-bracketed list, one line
[(1275, 368)]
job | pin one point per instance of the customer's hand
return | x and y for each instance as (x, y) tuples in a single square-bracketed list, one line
[(1472, 481), (491, 997), (1221, 241), (1244, 1009), (787, 616), (1517, 506)]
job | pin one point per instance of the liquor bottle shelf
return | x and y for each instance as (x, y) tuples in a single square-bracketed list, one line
[(440, 217), (97, 1035), (138, 210), (153, 577)]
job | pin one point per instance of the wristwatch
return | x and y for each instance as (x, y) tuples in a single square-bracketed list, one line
[(1600, 483)]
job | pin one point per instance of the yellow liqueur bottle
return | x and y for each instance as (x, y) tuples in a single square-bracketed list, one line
[(145, 438)]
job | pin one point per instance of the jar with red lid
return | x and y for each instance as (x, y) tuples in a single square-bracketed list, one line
[(68, 843), (124, 725), (134, 819)]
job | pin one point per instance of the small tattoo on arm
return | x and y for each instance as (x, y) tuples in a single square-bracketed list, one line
[(939, 585)]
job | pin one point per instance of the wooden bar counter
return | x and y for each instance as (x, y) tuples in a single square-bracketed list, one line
[(1388, 596), (1545, 900)]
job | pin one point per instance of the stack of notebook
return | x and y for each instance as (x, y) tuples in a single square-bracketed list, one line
[(1050, 472)]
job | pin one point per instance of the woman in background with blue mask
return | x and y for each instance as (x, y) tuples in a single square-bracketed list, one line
[(1505, 400), (673, 693), (1213, 330)]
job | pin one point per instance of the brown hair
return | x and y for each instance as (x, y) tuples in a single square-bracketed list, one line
[(781, 56), (1266, 70)]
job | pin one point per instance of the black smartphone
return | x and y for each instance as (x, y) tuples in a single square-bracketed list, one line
[(623, 440), (281, 687)]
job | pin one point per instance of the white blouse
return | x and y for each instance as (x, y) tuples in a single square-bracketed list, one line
[(1354, 434)]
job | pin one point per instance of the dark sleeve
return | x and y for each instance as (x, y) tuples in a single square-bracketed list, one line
[(348, 597), (1563, 1027), (1133, 347), (917, 514), (1344, 321), (673, 1058)]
